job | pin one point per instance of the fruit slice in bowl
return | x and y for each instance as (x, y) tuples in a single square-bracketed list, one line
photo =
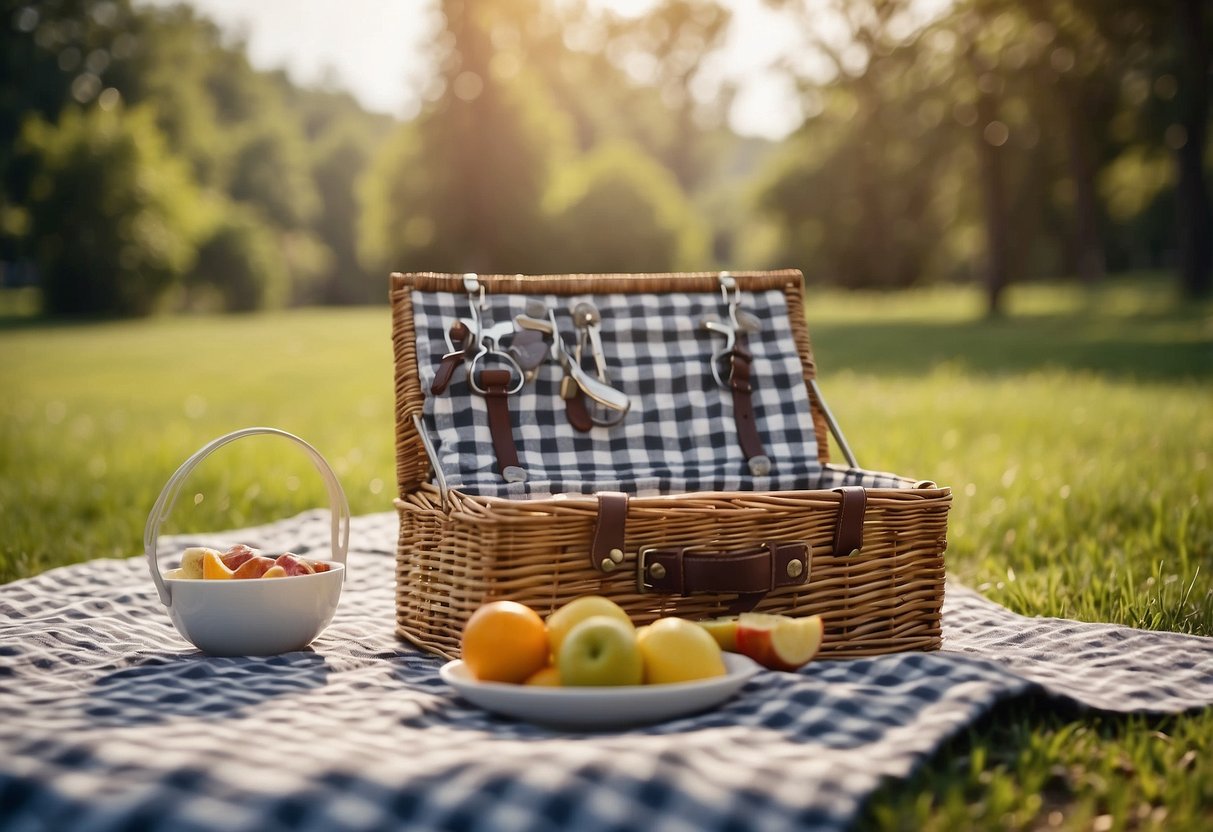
[(779, 642)]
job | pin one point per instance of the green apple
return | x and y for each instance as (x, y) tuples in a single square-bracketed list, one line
[(677, 650), (562, 621), (600, 651)]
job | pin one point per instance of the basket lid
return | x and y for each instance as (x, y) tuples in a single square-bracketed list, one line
[(680, 433)]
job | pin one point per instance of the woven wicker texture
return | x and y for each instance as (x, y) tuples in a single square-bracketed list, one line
[(458, 553)]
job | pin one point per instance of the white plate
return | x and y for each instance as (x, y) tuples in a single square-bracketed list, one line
[(600, 707)]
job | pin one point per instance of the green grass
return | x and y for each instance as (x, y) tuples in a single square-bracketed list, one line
[(1076, 432)]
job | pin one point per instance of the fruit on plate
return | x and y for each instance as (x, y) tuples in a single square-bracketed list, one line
[(600, 651), (677, 650), (504, 641), (549, 677), (724, 630), (562, 621), (779, 642)]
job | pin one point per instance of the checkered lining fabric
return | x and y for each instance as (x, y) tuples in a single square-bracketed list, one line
[(679, 435), (109, 721)]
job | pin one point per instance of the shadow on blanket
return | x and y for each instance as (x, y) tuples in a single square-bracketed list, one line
[(193, 685)]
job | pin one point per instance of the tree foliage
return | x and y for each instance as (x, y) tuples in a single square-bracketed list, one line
[(990, 140), (114, 217)]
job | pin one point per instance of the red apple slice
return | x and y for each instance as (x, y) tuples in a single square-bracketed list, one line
[(238, 555), (779, 642), (292, 564)]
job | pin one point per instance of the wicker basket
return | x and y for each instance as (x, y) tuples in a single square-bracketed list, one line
[(458, 550)]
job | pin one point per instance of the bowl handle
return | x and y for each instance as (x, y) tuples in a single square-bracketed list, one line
[(340, 507)]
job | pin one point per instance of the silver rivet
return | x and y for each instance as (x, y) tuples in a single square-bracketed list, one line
[(616, 555), (609, 565), (760, 466), (795, 568), (512, 473), (657, 571)]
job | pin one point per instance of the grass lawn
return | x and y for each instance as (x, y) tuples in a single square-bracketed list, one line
[(1077, 434)]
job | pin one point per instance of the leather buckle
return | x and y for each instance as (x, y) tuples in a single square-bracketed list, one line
[(692, 569)]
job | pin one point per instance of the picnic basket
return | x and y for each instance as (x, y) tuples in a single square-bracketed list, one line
[(712, 493)]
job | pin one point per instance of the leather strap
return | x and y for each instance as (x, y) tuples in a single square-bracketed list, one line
[(496, 384), (848, 536), (751, 573), (743, 408), (607, 546), (577, 413), (446, 368)]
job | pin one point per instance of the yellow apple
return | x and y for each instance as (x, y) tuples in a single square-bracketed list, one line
[(677, 650), (562, 621), (724, 630), (600, 651), (779, 642)]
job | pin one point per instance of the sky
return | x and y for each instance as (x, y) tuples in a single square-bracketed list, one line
[(373, 48)]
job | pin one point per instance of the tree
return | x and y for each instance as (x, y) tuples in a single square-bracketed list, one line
[(114, 217), (618, 210), (859, 189), (1193, 21), (240, 260), (461, 188)]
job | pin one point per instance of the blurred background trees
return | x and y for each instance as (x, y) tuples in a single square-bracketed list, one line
[(146, 165)]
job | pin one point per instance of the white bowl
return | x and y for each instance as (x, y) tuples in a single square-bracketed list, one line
[(253, 616)]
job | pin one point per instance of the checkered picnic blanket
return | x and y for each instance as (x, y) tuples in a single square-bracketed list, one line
[(109, 721), (679, 435)]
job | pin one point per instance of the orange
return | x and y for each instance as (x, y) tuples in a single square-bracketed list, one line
[(504, 641), (549, 677)]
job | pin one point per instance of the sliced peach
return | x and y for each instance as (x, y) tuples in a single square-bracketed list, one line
[(320, 565), (254, 567), (213, 567), (275, 571), (724, 630), (779, 642)]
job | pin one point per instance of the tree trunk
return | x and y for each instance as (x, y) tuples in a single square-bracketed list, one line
[(1195, 218), (1088, 248), (994, 197)]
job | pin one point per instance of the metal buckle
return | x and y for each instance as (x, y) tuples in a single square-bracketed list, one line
[(642, 567)]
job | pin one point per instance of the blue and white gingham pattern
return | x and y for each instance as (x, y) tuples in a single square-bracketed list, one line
[(109, 721), (680, 434)]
